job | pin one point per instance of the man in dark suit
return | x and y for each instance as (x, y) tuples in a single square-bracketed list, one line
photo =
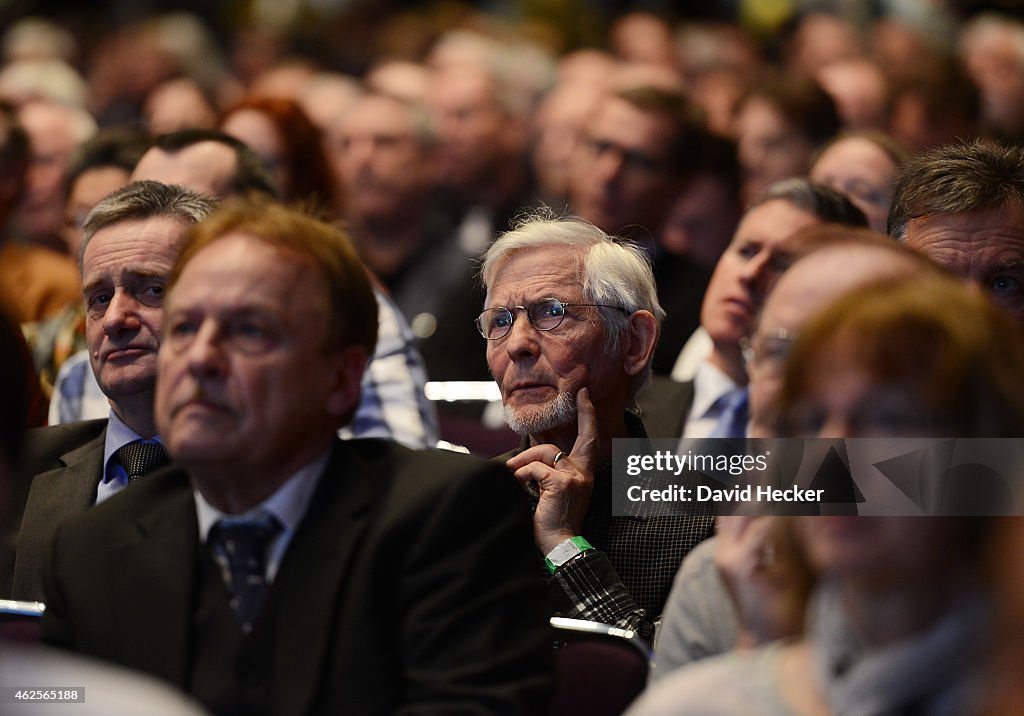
[(288, 572), (714, 404), (130, 243), (112, 692)]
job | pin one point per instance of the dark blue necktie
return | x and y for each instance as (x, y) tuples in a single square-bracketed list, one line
[(243, 545), (732, 415)]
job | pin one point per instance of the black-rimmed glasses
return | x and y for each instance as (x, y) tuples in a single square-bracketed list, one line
[(544, 315)]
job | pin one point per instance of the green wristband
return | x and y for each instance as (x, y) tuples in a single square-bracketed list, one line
[(566, 550)]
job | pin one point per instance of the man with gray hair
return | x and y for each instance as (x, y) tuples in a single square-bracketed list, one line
[(571, 319), (211, 162), (962, 205), (131, 241)]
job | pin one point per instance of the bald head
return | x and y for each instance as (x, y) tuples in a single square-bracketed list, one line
[(207, 167), (207, 161), (809, 286), (828, 273)]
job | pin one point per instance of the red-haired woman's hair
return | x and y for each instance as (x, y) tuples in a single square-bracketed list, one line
[(311, 179)]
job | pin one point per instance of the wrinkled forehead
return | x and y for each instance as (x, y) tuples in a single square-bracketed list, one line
[(154, 240), (966, 243)]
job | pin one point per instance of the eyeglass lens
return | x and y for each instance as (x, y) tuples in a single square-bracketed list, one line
[(544, 316)]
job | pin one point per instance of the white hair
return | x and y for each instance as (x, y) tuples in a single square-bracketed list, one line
[(44, 80)]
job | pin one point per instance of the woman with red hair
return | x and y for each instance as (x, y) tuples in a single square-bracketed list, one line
[(291, 147)]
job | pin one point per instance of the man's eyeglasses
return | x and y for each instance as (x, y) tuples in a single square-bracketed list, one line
[(770, 349), (632, 159), (545, 315)]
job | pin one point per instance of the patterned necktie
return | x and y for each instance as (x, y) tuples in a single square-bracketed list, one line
[(242, 546), (139, 458), (732, 416)]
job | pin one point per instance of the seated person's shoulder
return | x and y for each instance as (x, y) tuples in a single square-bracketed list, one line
[(436, 467), (45, 446), (411, 476), (165, 494), (112, 691), (737, 682), (699, 562)]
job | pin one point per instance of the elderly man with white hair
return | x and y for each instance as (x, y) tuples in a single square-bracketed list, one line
[(571, 319)]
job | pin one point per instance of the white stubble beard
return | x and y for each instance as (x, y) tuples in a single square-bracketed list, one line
[(535, 419)]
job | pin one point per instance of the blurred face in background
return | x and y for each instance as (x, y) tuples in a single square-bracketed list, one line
[(803, 290), (861, 170), (769, 147), (178, 104), (54, 133), (259, 132), (471, 127), (91, 186), (621, 174), (749, 265), (557, 127), (384, 159), (702, 220)]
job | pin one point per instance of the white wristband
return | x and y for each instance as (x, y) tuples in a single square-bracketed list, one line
[(564, 551)]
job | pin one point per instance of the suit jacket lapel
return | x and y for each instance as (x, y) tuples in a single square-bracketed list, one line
[(161, 552), (309, 580), (54, 496)]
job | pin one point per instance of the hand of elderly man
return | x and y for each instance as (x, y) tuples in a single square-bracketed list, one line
[(565, 482)]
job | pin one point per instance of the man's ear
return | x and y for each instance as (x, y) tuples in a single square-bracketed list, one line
[(347, 365), (641, 338)]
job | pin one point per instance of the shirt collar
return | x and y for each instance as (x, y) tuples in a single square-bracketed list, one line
[(709, 384), (288, 503)]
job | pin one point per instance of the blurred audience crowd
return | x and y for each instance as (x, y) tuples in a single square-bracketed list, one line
[(865, 153)]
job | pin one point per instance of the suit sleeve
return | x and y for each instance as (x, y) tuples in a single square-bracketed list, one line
[(474, 631), (56, 627)]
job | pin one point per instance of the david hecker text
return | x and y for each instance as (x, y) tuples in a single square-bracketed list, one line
[(703, 493)]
